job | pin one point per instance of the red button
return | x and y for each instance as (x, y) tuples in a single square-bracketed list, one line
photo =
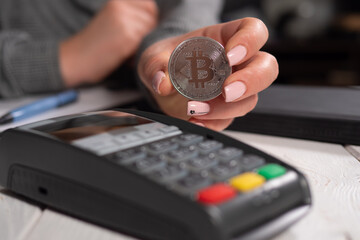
[(216, 194)]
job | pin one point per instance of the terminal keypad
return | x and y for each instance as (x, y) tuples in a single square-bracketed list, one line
[(203, 169)]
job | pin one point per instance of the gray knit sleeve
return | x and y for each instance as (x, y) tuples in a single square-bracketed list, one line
[(28, 66), (181, 16)]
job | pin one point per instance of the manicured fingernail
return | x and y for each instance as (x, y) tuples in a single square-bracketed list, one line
[(234, 91), (159, 76), (199, 124), (197, 108), (236, 54)]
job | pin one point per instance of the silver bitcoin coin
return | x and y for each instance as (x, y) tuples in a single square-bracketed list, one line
[(198, 68)]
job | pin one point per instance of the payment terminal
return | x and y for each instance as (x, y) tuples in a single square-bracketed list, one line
[(152, 176)]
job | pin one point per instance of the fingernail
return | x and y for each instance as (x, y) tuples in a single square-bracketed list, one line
[(197, 108), (236, 54), (199, 124), (157, 81), (234, 91)]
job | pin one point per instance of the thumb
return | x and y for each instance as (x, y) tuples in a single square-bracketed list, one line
[(153, 68)]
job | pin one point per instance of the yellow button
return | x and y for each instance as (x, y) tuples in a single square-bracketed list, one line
[(247, 181)]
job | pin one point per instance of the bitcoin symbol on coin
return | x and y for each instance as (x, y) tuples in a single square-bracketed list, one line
[(198, 68), (195, 68)]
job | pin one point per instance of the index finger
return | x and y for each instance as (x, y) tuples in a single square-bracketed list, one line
[(248, 38)]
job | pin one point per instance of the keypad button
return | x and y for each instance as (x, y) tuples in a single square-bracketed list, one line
[(271, 170), (168, 129), (170, 172), (251, 161), (129, 156), (229, 153), (208, 146), (148, 164), (181, 154), (224, 171), (127, 138), (216, 194), (148, 133), (201, 162), (191, 183), (161, 147), (247, 181), (96, 143), (189, 139)]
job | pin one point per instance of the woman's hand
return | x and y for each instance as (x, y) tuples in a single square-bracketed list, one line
[(107, 41), (253, 71)]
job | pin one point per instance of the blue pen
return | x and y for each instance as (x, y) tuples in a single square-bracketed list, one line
[(39, 106)]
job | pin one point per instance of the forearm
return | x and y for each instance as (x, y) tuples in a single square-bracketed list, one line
[(28, 66)]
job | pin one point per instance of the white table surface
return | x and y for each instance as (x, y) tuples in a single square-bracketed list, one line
[(333, 174)]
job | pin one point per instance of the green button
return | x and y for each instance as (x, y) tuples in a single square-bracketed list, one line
[(271, 170)]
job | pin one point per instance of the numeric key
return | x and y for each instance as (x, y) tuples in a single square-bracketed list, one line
[(250, 162), (147, 164), (229, 153), (170, 172), (189, 139), (129, 156), (191, 183), (208, 146), (181, 154), (161, 147), (202, 162), (224, 170)]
